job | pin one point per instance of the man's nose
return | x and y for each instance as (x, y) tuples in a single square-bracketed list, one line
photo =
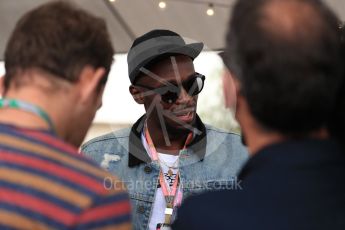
[(184, 97)]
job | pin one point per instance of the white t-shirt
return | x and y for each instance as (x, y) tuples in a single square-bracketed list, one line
[(159, 205)]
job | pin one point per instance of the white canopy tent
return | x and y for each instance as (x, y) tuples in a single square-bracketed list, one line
[(128, 19)]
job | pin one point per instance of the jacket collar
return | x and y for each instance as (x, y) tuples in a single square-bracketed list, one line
[(138, 154)]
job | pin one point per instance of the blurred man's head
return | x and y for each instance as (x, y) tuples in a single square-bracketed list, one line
[(63, 53), (163, 78), (285, 58)]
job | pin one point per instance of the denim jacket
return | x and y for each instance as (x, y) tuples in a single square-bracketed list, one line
[(210, 162)]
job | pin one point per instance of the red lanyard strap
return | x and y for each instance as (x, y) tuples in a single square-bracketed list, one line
[(169, 193), (153, 152)]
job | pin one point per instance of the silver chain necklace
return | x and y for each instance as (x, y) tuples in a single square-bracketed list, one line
[(170, 168)]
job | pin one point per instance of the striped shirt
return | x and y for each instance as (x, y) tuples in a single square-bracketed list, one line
[(46, 184)]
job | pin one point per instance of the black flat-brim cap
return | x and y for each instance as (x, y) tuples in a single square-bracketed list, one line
[(157, 44)]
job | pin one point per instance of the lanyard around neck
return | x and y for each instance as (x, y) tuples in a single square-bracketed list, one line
[(27, 107), (151, 148), (169, 194)]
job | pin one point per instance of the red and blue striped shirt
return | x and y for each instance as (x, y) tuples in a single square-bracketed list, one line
[(46, 184)]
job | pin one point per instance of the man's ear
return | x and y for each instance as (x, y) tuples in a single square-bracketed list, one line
[(89, 80), (229, 90), (237, 84), (136, 94), (2, 86)]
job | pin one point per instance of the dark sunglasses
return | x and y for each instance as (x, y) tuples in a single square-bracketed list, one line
[(170, 93)]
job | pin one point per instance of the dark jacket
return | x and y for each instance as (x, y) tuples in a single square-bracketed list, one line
[(291, 185)]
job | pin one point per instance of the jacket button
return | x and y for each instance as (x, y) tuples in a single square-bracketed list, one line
[(141, 209), (147, 169)]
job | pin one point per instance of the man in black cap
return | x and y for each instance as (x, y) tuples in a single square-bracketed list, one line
[(168, 154)]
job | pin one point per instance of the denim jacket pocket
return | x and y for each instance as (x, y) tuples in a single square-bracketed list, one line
[(141, 209)]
